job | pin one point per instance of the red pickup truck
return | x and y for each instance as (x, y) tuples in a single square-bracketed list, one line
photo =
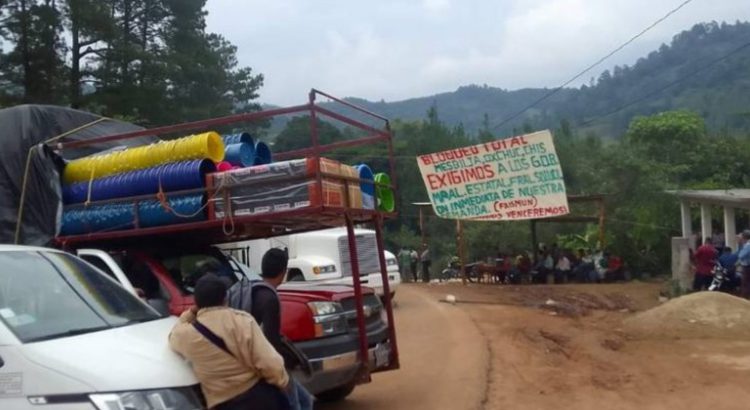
[(164, 278)]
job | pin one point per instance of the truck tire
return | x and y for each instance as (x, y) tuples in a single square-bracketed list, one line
[(337, 394), (295, 275)]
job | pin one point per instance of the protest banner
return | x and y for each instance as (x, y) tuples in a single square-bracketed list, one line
[(510, 179)]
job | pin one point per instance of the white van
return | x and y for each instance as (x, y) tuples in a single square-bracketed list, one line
[(323, 256), (72, 338)]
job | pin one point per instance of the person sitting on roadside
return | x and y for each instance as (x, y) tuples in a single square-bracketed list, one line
[(562, 268), (705, 258), (582, 266), (235, 364), (549, 266), (505, 268), (615, 269), (522, 270)]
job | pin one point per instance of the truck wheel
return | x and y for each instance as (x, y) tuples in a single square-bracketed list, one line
[(295, 275), (336, 394)]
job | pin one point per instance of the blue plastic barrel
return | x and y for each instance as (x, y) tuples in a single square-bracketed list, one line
[(241, 155), (368, 190), (366, 173), (100, 218), (242, 137), (119, 216), (152, 213), (175, 176), (262, 154)]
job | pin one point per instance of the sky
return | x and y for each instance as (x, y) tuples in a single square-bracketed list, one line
[(394, 50)]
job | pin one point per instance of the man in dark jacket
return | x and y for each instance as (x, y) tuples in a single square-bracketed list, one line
[(426, 262), (262, 302)]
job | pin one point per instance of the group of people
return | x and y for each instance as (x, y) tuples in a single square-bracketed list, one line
[(735, 263), (557, 265), (238, 353), (549, 265), (418, 263)]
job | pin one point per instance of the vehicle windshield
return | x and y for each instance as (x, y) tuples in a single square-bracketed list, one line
[(46, 295), (187, 267)]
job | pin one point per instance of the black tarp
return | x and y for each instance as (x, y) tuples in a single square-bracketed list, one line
[(25, 127)]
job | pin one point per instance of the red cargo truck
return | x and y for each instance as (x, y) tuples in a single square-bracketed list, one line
[(344, 348)]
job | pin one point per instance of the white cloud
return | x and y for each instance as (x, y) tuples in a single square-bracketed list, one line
[(395, 49), (436, 5)]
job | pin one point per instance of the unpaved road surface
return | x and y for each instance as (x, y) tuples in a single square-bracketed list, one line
[(443, 360), (548, 347)]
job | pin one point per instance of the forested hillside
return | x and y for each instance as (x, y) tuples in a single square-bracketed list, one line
[(704, 69)]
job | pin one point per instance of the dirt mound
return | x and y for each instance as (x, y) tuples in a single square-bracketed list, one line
[(702, 315)]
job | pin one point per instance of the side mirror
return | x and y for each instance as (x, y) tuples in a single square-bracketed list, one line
[(160, 305), (141, 294), (2, 362)]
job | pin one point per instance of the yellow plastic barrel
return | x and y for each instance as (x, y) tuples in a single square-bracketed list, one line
[(206, 145)]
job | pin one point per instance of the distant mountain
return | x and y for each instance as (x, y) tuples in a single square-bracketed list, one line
[(690, 73)]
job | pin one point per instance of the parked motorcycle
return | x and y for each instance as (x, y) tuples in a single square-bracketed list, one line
[(452, 271), (723, 280)]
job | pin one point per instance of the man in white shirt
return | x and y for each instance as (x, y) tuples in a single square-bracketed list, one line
[(562, 270)]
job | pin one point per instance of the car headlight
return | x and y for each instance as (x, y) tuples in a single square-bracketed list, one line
[(324, 269), (325, 308), (161, 399), (328, 317)]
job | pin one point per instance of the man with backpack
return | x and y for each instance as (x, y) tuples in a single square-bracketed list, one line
[(259, 298)]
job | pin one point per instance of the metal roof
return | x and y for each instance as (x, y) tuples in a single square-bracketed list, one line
[(733, 197)]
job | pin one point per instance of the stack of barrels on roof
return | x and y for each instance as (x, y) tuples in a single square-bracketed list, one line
[(165, 183)]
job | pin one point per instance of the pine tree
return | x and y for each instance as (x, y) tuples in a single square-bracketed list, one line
[(33, 70), (91, 26), (204, 74)]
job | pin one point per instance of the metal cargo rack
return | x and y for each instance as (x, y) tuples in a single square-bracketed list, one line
[(245, 227)]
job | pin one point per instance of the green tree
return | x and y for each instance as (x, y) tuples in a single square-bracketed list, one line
[(33, 70), (668, 134), (485, 134), (90, 22), (296, 135), (205, 79), (130, 71)]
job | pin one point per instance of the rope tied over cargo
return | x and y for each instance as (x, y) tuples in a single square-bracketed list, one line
[(22, 200)]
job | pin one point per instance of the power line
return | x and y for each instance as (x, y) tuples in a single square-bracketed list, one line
[(677, 81), (587, 69)]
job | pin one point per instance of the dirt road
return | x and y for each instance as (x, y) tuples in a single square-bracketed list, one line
[(548, 347), (443, 360)]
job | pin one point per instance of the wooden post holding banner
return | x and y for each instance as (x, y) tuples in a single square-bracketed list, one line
[(421, 226), (534, 242), (602, 215), (461, 250)]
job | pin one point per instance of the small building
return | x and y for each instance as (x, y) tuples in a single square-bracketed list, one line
[(705, 201)]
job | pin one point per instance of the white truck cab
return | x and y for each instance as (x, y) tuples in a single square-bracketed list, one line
[(322, 256), (72, 338)]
